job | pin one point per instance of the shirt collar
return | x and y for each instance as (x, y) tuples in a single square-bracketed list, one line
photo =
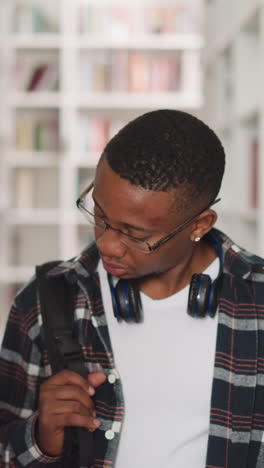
[(83, 265)]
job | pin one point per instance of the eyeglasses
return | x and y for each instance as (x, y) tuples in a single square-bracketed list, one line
[(85, 203)]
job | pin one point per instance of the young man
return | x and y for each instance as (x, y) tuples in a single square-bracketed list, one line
[(179, 382)]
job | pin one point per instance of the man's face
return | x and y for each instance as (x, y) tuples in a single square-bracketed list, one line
[(142, 213)]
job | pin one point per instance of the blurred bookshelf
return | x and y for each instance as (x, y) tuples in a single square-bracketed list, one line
[(234, 71), (76, 72)]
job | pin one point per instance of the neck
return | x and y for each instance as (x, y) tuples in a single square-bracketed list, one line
[(165, 284)]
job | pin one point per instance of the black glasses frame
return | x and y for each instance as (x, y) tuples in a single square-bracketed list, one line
[(158, 243)]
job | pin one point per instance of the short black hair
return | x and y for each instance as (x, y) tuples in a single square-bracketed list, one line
[(165, 149)]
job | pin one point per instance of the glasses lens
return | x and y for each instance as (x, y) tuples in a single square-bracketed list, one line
[(135, 244), (88, 203), (87, 214), (93, 220), (87, 208)]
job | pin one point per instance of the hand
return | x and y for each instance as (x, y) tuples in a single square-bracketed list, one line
[(65, 400)]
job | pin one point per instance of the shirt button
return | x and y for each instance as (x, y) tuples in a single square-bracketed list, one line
[(109, 435), (111, 378)]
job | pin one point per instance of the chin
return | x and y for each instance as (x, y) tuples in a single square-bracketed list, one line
[(142, 276)]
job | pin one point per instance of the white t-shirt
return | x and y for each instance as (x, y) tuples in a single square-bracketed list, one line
[(166, 368)]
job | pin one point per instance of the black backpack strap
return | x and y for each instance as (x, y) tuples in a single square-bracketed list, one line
[(57, 310)]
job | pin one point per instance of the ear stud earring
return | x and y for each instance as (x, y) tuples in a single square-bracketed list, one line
[(197, 239)]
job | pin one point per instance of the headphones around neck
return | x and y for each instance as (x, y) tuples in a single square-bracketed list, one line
[(202, 299)]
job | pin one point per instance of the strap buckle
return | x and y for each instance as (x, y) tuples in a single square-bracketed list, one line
[(67, 343)]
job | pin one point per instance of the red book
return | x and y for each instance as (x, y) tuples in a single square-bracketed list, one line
[(37, 76)]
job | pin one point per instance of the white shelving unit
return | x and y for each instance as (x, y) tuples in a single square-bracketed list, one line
[(3, 147), (234, 73), (101, 74)]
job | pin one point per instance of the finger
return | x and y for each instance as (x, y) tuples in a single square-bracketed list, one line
[(95, 379), (53, 393), (67, 377), (78, 420), (66, 407)]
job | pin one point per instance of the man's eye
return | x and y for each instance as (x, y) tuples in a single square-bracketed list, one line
[(138, 237)]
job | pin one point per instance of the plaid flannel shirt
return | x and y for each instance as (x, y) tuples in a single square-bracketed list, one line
[(236, 432)]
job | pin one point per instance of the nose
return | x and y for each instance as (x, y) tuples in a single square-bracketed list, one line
[(109, 243)]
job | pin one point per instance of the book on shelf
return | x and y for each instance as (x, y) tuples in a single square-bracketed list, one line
[(95, 132), (36, 77), (30, 188), (36, 72), (24, 133), (44, 78), (34, 133), (101, 72), (23, 189), (165, 74), (45, 135), (161, 19), (121, 21), (35, 17), (135, 72), (138, 76), (110, 20), (119, 70)]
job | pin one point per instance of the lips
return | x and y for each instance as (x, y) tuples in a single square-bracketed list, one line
[(114, 269)]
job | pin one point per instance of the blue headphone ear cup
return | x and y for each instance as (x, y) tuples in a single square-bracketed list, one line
[(199, 292), (214, 296), (115, 302), (135, 301), (128, 300)]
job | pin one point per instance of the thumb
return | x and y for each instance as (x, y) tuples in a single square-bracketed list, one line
[(96, 379)]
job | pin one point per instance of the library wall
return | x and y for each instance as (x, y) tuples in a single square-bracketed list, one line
[(234, 71), (72, 73)]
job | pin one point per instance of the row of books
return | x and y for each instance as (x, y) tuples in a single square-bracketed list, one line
[(36, 72), (36, 16), (35, 132), (35, 188), (101, 71), (30, 185), (119, 20), (94, 133), (124, 71)]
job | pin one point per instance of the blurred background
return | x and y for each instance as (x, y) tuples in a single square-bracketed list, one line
[(72, 72)]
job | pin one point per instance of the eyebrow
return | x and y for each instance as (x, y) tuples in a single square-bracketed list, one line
[(127, 225)]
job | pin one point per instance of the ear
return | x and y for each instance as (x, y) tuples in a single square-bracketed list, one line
[(203, 224)]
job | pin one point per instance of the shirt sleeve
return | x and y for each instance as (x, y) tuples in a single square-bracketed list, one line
[(23, 367)]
